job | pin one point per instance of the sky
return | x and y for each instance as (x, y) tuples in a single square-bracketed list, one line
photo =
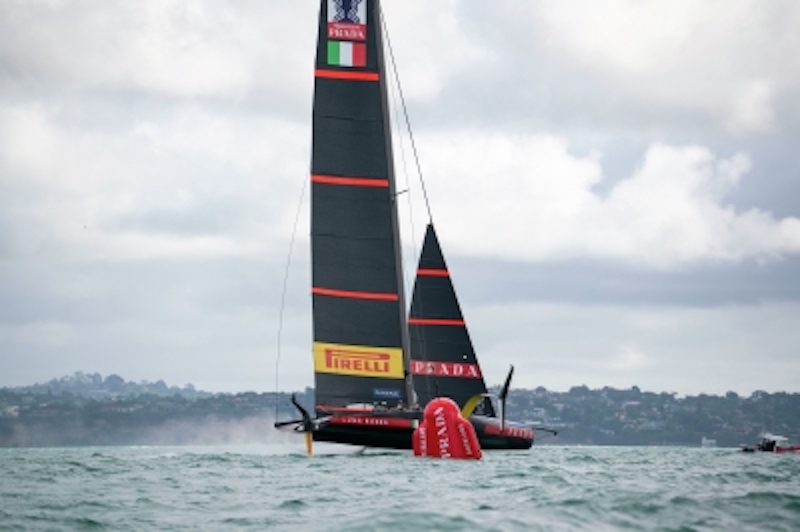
[(615, 185)]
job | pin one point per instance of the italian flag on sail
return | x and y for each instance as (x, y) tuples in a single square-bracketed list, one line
[(347, 54)]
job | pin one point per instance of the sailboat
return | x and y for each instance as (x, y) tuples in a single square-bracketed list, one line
[(372, 379)]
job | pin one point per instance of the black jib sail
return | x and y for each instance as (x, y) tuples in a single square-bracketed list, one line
[(443, 360), (358, 303)]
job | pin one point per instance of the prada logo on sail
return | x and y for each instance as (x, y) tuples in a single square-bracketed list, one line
[(347, 20), (360, 361), (445, 369)]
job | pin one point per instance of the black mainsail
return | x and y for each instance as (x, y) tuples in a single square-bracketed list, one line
[(443, 360), (358, 305)]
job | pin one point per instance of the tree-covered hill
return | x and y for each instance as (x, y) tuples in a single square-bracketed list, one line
[(113, 386), (89, 409), (632, 417)]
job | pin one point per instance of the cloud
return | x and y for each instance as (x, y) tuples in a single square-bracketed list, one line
[(629, 358), (45, 334), (429, 59), (186, 183), (38, 155), (722, 65), (161, 47), (209, 322), (752, 108), (528, 198), (659, 348)]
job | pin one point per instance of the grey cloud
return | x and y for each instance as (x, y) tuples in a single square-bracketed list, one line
[(206, 218), (596, 282), (212, 323)]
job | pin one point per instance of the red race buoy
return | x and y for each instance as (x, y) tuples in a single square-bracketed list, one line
[(444, 433)]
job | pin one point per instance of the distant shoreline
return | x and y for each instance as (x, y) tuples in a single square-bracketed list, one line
[(82, 411)]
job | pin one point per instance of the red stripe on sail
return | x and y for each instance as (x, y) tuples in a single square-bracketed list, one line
[(432, 272), (435, 321), (347, 75), (373, 296), (354, 181)]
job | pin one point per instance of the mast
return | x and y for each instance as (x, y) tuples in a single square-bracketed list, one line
[(405, 337)]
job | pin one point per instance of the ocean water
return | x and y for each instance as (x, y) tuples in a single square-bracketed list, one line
[(276, 487)]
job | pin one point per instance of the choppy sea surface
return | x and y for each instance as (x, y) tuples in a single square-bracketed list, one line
[(277, 487)]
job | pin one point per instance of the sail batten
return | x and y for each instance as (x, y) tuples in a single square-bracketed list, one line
[(433, 272), (374, 296), (447, 322), (350, 181), (346, 75)]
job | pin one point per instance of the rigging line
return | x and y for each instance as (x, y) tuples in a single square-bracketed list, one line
[(409, 378), (405, 115), (398, 133), (407, 264), (283, 291), (418, 337)]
